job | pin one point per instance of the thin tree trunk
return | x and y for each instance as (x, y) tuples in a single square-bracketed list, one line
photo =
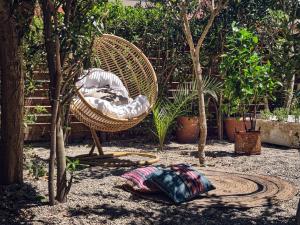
[(202, 113), (54, 58), (53, 145), (220, 118), (298, 214), (48, 30), (61, 163), (12, 101), (61, 184), (195, 54), (266, 104), (290, 93)]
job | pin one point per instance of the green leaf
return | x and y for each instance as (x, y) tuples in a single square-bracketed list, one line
[(255, 39)]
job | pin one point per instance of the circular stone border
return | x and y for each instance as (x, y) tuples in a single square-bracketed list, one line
[(235, 190)]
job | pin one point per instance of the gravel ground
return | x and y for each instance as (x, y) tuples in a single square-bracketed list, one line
[(96, 197)]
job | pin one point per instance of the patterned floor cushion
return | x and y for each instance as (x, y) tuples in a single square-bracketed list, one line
[(138, 179), (181, 182)]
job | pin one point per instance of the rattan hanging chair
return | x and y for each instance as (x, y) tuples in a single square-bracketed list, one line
[(117, 55)]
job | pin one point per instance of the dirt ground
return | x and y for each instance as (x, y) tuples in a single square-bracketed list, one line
[(96, 197)]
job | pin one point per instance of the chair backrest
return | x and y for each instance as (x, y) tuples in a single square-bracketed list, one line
[(124, 59), (116, 55)]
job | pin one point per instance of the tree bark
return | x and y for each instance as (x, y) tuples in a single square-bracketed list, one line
[(12, 100), (202, 113), (266, 104), (220, 118), (61, 191), (57, 147), (289, 93), (195, 55), (298, 214), (50, 49)]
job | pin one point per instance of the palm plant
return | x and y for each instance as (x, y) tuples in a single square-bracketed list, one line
[(166, 111)]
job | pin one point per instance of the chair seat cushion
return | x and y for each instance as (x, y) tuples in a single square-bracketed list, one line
[(181, 182), (105, 92), (95, 78)]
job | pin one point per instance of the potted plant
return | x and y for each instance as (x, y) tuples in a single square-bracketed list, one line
[(187, 130), (234, 121), (166, 111), (188, 127), (247, 82)]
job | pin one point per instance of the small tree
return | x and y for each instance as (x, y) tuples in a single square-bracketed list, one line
[(201, 10), (247, 76), (68, 35)]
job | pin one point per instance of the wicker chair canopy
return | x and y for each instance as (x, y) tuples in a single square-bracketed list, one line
[(116, 55)]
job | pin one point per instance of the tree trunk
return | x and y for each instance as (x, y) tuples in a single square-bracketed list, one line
[(57, 147), (289, 93), (50, 49), (53, 145), (12, 101), (61, 191), (298, 214), (266, 104), (202, 113), (220, 118)]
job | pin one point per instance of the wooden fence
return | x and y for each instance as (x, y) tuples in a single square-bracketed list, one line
[(39, 130)]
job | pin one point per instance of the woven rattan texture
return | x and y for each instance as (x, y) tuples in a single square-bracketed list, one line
[(124, 59)]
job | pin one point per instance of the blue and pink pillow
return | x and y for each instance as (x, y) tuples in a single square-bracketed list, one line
[(138, 179), (179, 182)]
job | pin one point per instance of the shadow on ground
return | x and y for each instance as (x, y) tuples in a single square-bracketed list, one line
[(13, 199), (215, 154), (181, 215)]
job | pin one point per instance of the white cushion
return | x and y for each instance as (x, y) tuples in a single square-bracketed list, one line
[(135, 108), (98, 78)]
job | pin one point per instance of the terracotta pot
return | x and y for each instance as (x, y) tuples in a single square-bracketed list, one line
[(235, 124), (187, 130), (247, 143)]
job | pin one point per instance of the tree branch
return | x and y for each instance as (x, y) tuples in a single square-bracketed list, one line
[(187, 28), (214, 13)]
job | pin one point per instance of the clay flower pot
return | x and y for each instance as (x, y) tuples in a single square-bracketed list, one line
[(188, 129), (233, 125), (248, 143)]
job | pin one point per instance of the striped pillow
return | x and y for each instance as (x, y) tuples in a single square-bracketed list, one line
[(181, 182), (138, 179)]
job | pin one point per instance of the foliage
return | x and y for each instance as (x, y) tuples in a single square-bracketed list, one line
[(37, 168), (266, 114), (155, 32), (296, 113), (74, 165), (247, 76), (31, 117), (77, 33), (33, 51), (281, 115), (281, 44), (68, 35), (166, 111)]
